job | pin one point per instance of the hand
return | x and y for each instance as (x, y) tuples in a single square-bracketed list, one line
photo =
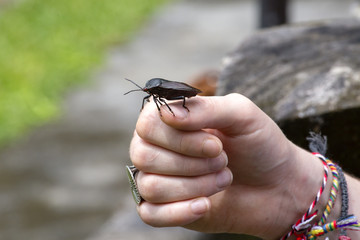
[(225, 166)]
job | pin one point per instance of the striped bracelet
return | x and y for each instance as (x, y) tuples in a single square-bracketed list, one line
[(300, 228)]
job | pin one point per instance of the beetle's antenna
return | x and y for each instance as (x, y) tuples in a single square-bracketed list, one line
[(135, 90), (134, 84), (141, 89)]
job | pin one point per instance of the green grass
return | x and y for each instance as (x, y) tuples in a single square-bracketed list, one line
[(47, 46)]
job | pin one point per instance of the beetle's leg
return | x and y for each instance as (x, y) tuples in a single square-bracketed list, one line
[(156, 100), (184, 104), (155, 96), (162, 100), (147, 99)]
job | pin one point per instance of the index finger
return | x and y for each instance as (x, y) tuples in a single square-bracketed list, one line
[(197, 143)]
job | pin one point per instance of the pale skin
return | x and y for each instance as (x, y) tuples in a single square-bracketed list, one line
[(225, 166)]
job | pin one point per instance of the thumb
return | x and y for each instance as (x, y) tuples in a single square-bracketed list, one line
[(232, 114)]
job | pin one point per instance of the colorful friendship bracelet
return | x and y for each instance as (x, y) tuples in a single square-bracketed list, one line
[(318, 144), (333, 192), (349, 223), (345, 222), (303, 223), (317, 230)]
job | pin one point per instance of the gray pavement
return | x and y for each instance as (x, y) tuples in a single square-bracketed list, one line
[(66, 179)]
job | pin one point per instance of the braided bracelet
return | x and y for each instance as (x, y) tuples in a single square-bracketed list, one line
[(333, 192), (304, 222), (318, 143), (349, 222), (316, 230), (344, 197), (345, 221)]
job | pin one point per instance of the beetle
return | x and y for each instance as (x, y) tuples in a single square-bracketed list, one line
[(161, 89)]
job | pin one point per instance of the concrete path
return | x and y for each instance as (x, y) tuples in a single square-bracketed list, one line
[(66, 179)]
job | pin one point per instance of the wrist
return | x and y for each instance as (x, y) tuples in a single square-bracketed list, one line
[(302, 185), (330, 199)]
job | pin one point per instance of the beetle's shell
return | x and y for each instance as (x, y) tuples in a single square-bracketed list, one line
[(170, 89), (154, 82)]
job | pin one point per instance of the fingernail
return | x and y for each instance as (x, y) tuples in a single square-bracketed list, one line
[(212, 147), (219, 162), (224, 178), (199, 206)]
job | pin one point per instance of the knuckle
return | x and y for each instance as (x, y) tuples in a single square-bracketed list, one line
[(237, 98), (137, 157), (149, 187), (144, 158), (189, 144), (168, 215), (135, 147), (148, 219), (149, 160), (143, 128), (147, 216), (188, 168), (146, 124), (183, 146), (238, 101), (192, 167), (136, 150), (142, 154)]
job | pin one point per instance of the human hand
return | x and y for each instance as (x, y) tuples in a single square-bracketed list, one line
[(225, 166)]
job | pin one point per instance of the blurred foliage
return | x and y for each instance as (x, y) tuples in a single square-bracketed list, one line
[(46, 46)]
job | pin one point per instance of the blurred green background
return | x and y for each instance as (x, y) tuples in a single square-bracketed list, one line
[(47, 46)]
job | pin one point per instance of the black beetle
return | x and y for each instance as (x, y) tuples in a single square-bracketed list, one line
[(162, 89)]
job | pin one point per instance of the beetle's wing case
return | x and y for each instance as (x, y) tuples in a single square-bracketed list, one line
[(154, 82), (180, 86)]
